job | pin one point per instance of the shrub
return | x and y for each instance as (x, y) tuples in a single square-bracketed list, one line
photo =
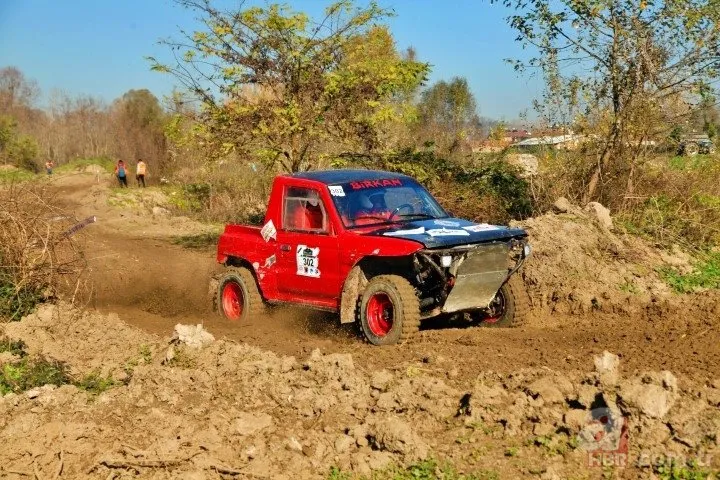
[(31, 372), (37, 258)]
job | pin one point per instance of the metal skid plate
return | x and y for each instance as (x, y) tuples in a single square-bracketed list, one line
[(479, 278)]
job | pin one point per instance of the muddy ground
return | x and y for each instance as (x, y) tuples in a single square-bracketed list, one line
[(593, 290)]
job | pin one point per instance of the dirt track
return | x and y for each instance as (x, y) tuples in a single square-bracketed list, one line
[(500, 403), (153, 284)]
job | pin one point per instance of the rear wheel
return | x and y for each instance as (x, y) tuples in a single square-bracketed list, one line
[(238, 297), (389, 310), (691, 149), (510, 306)]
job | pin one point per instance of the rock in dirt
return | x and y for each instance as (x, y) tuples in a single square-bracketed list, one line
[(649, 399), (160, 212), (294, 445), (562, 205), (547, 389), (576, 419), (380, 380), (343, 443), (194, 336), (607, 366), (394, 435), (601, 214), (251, 423)]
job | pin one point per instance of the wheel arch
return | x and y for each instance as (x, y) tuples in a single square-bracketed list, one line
[(362, 272), (234, 261)]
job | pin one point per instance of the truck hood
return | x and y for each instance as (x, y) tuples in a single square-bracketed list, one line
[(448, 232)]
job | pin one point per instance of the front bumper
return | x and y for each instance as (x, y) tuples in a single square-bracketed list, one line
[(476, 272)]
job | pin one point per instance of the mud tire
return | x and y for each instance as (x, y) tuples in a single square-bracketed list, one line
[(244, 282), (404, 305), (517, 304)]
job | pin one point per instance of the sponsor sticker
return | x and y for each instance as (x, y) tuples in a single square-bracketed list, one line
[(270, 261), (481, 227), (447, 232), (447, 223), (388, 182), (414, 231), (308, 263), (269, 231), (336, 190)]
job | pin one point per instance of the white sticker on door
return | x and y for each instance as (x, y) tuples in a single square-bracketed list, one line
[(268, 231), (307, 261), (336, 190)]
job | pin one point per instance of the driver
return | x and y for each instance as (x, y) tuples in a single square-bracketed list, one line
[(370, 208)]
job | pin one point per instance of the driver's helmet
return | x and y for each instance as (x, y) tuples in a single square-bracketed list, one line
[(364, 202), (378, 201)]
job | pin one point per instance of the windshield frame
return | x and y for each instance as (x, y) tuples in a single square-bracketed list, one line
[(340, 190)]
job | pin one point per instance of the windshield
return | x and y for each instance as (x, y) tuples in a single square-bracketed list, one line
[(385, 201)]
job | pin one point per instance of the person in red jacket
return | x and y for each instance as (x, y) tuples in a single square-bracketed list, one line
[(121, 173)]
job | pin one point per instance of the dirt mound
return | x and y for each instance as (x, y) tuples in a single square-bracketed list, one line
[(582, 266), (236, 410), (87, 342)]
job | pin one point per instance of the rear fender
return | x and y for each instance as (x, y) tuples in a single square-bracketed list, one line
[(233, 261)]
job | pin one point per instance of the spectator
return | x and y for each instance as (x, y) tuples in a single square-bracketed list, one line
[(140, 172), (121, 173), (49, 167)]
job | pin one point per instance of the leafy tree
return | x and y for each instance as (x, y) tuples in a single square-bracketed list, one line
[(15, 89), (448, 112), (620, 67), (278, 87), (142, 108), (16, 149), (141, 118), (498, 132)]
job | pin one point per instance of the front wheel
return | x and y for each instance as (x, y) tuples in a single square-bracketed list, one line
[(389, 310), (510, 307), (238, 297)]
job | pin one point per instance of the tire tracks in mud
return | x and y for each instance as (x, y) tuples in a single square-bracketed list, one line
[(138, 273)]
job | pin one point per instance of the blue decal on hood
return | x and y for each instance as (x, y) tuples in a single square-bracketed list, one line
[(448, 232)]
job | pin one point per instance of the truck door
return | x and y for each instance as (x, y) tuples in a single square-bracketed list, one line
[(308, 251)]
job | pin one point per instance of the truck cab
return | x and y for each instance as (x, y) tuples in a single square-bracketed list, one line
[(373, 246)]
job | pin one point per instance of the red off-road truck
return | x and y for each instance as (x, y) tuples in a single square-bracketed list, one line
[(375, 247)]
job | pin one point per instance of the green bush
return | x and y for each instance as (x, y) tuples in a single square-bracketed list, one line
[(95, 383), (14, 175), (31, 372), (705, 274), (15, 302), (428, 469)]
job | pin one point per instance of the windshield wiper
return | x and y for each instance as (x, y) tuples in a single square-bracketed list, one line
[(412, 215)]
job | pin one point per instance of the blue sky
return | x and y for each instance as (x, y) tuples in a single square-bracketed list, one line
[(97, 47)]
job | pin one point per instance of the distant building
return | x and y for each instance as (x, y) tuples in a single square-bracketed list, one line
[(568, 141)]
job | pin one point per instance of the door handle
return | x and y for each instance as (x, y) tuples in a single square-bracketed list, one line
[(285, 248)]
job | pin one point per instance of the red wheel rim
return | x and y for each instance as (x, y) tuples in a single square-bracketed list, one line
[(380, 314), (232, 300), (497, 309)]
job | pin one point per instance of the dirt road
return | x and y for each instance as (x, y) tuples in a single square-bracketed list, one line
[(139, 273)]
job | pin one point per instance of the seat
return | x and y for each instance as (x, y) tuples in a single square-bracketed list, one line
[(306, 217)]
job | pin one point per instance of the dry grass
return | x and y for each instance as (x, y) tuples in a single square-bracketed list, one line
[(39, 258)]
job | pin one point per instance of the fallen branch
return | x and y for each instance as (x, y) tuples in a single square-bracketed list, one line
[(111, 463)]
